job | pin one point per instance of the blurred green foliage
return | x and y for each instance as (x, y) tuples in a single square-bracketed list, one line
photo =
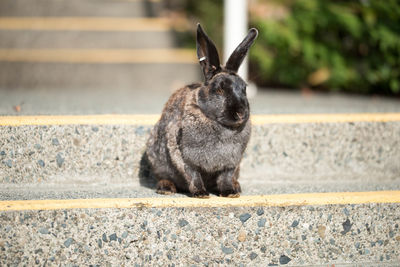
[(344, 45), (210, 14)]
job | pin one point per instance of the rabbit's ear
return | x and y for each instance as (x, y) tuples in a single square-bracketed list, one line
[(207, 54), (240, 52)]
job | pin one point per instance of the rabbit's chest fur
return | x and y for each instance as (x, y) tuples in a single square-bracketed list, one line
[(212, 149), (210, 146)]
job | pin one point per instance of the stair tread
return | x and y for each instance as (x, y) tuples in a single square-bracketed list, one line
[(136, 99), (140, 8), (252, 185), (25, 39)]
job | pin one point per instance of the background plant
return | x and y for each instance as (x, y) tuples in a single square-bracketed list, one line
[(352, 46)]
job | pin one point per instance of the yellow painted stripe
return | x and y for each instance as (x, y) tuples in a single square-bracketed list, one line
[(81, 120), (84, 24), (99, 55), (151, 119), (340, 198)]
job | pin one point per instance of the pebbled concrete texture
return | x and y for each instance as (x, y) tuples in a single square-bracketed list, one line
[(325, 150), (82, 154), (294, 153), (367, 234)]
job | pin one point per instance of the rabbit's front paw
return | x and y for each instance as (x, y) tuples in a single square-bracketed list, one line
[(199, 191), (165, 187), (201, 194), (197, 188), (231, 191)]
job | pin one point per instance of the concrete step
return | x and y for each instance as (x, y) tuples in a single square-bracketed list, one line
[(99, 70), (101, 56), (98, 204), (73, 188), (340, 229), (39, 44), (81, 101), (84, 24), (286, 152), (110, 8), (25, 39), (85, 32)]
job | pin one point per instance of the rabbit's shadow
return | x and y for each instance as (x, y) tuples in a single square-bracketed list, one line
[(146, 178)]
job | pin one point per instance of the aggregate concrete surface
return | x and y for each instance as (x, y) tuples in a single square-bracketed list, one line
[(100, 161), (315, 155), (338, 234)]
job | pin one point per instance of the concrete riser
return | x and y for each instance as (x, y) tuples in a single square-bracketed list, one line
[(78, 8), (336, 153), (14, 75), (367, 234)]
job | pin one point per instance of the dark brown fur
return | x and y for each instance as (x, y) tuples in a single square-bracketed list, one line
[(198, 143)]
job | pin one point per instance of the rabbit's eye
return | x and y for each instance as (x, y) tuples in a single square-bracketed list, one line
[(219, 91)]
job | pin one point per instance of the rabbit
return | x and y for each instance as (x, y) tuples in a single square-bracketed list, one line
[(198, 143)]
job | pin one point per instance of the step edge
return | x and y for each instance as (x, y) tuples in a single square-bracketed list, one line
[(281, 200), (69, 23), (151, 119), (62, 55)]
